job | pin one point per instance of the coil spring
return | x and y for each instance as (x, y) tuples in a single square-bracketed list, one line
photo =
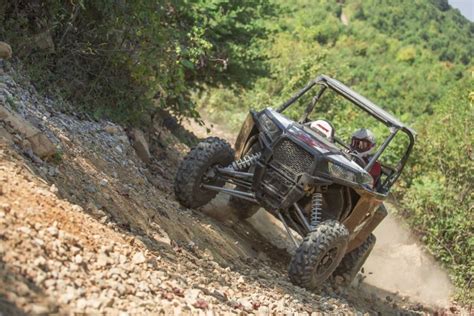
[(246, 161), (316, 207)]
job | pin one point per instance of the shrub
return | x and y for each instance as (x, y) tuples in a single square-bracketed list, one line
[(123, 58)]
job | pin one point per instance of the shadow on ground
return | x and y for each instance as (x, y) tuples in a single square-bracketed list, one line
[(15, 285)]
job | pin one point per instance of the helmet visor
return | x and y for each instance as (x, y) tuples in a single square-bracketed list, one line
[(361, 145)]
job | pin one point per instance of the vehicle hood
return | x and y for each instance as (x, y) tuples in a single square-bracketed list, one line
[(317, 143)]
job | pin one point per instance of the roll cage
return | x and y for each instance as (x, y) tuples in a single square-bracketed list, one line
[(369, 107)]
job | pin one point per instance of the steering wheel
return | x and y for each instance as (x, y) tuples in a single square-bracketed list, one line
[(361, 162)]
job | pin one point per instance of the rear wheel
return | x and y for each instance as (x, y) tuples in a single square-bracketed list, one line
[(354, 260), (319, 254), (196, 169)]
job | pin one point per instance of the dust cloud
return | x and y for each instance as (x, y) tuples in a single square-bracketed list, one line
[(400, 264)]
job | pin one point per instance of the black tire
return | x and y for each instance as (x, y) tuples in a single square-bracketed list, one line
[(318, 255), (187, 186), (353, 261)]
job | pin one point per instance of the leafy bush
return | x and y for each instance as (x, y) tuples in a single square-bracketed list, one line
[(122, 58), (439, 198), (407, 54)]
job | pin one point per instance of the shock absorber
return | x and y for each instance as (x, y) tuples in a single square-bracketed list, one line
[(316, 207), (246, 161)]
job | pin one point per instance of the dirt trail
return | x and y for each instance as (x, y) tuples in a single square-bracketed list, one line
[(96, 230), (399, 265)]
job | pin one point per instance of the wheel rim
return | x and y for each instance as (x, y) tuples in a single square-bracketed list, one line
[(209, 176), (327, 261)]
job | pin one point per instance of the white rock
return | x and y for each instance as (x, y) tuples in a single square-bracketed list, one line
[(68, 296), (76, 208), (39, 261), (143, 286), (122, 259), (102, 260), (94, 303), (74, 267), (50, 283), (75, 250), (53, 189), (81, 303), (53, 231), (39, 242), (78, 259), (263, 310), (25, 230), (140, 294), (191, 295), (138, 258), (39, 309), (245, 304)]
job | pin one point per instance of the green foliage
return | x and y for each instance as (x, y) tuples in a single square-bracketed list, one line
[(431, 24), (121, 59), (57, 157), (407, 54), (439, 198)]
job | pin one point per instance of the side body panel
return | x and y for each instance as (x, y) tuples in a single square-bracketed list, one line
[(247, 130), (366, 215)]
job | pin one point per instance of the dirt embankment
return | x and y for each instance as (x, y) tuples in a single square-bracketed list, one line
[(95, 229)]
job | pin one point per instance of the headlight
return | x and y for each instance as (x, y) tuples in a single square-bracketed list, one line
[(269, 126), (341, 173), (345, 174), (365, 179)]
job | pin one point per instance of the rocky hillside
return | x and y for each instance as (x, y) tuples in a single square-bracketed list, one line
[(89, 224)]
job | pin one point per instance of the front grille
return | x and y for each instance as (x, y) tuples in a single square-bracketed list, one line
[(275, 181), (292, 157)]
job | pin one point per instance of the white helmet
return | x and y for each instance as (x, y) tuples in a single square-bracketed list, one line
[(323, 127), (363, 142)]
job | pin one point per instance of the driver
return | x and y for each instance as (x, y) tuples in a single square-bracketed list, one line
[(363, 143)]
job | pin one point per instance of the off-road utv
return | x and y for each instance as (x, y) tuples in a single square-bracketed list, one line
[(306, 177)]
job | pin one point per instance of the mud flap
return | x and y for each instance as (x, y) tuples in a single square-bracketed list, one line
[(377, 218)]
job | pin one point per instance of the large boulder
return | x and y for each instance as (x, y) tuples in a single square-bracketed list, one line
[(140, 144), (5, 51), (39, 142)]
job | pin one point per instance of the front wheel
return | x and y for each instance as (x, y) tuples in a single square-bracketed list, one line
[(319, 254), (196, 169)]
